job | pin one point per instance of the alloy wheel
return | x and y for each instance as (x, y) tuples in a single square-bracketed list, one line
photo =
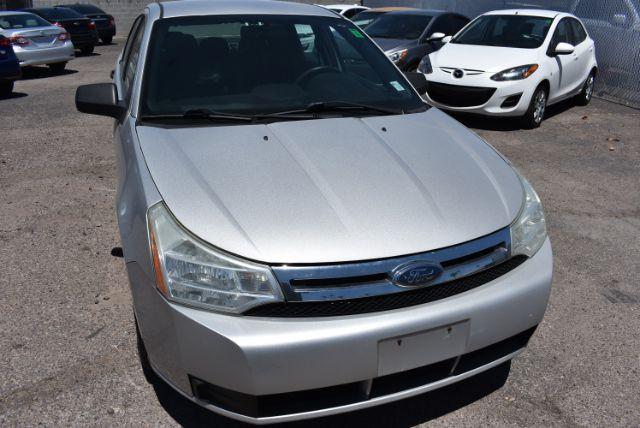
[(539, 106)]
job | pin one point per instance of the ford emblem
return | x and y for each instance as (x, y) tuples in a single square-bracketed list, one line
[(416, 273)]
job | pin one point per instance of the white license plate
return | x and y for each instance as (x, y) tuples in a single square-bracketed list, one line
[(420, 349)]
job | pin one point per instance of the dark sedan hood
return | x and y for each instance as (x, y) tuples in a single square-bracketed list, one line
[(394, 44)]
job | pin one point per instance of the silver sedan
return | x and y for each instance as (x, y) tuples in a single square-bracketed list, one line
[(36, 41)]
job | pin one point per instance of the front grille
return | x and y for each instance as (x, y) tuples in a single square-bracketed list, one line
[(350, 393), (459, 96), (386, 302)]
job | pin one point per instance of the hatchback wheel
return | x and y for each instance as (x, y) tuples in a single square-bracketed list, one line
[(6, 87), (58, 67), (537, 107), (585, 95), (107, 40), (87, 50)]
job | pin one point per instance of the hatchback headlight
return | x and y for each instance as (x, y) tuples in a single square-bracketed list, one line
[(516, 73), (190, 272), (398, 56), (529, 231)]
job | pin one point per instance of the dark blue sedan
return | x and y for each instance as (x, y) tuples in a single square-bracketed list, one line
[(9, 66)]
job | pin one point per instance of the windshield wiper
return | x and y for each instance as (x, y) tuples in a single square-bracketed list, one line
[(330, 106), (200, 113)]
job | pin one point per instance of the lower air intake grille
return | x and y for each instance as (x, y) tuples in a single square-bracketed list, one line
[(459, 96), (386, 302)]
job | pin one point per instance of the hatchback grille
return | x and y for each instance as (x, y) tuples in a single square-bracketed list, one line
[(459, 96), (386, 302)]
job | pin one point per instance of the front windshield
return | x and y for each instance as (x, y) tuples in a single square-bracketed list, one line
[(508, 31), (254, 65), (364, 19), (400, 26), (22, 20)]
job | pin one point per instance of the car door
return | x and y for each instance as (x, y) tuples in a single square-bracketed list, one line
[(583, 52), (565, 67)]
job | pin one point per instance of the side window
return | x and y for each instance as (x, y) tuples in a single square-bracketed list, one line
[(130, 57), (350, 13), (578, 31), (442, 24), (563, 33)]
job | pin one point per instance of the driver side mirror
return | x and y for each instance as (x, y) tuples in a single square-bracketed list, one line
[(446, 39), (435, 37), (563, 48), (100, 99), (418, 81)]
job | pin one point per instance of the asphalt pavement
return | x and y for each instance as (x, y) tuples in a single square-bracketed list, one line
[(67, 338)]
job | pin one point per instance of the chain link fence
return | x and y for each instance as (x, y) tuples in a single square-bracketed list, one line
[(613, 24)]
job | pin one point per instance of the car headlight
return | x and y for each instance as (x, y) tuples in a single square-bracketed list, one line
[(190, 272), (425, 65), (529, 231), (516, 73), (398, 56)]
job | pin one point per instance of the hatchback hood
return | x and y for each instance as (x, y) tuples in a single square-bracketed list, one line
[(485, 58), (333, 190), (390, 45)]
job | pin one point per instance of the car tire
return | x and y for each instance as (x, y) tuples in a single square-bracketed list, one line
[(149, 375), (6, 87), (585, 95), (87, 50), (58, 67), (106, 40), (537, 107)]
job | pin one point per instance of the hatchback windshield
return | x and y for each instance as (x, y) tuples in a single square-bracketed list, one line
[(509, 31), (392, 26), (265, 64), (22, 20)]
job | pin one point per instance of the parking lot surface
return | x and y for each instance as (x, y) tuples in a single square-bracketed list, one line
[(67, 338)]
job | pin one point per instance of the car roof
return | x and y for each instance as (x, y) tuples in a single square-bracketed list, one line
[(422, 12), (390, 9), (527, 12), (177, 8), (13, 12)]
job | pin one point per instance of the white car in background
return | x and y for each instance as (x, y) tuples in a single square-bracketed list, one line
[(513, 63), (346, 10)]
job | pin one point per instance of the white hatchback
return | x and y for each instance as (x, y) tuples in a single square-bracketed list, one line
[(513, 63)]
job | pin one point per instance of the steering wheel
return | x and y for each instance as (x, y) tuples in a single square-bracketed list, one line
[(306, 75)]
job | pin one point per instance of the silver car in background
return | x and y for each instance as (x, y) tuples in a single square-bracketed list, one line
[(36, 41), (303, 235)]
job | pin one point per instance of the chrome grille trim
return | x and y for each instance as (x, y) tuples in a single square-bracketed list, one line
[(351, 280)]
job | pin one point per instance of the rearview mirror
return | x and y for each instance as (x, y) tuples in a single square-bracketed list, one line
[(446, 39), (436, 36), (563, 48), (619, 19), (418, 81), (100, 99)]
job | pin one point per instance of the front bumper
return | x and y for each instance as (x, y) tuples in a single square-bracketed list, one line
[(252, 357), (493, 106), (50, 55)]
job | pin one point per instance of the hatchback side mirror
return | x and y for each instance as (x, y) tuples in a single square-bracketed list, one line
[(100, 99), (436, 36), (446, 39), (418, 81), (563, 48)]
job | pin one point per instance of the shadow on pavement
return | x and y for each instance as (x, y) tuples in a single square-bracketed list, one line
[(490, 123), (405, 413), (13, 95), (29, 73)]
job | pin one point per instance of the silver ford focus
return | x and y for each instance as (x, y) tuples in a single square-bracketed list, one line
[(303, 235)]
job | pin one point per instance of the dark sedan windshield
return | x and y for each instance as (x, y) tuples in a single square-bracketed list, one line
[(508, 31), (255, 65), (364, 19), (85, 9), (22, 20), (392, 26)]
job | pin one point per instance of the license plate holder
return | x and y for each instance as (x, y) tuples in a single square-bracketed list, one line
[(422, 348)]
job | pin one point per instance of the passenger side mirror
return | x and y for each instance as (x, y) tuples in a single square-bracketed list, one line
[(100, 99), (619, 19), (563, 48), (436, 36), (418, 81), (446, 39)]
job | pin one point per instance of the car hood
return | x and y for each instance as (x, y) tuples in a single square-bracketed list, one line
[(389, 45), (485, 58), (333, 190)]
